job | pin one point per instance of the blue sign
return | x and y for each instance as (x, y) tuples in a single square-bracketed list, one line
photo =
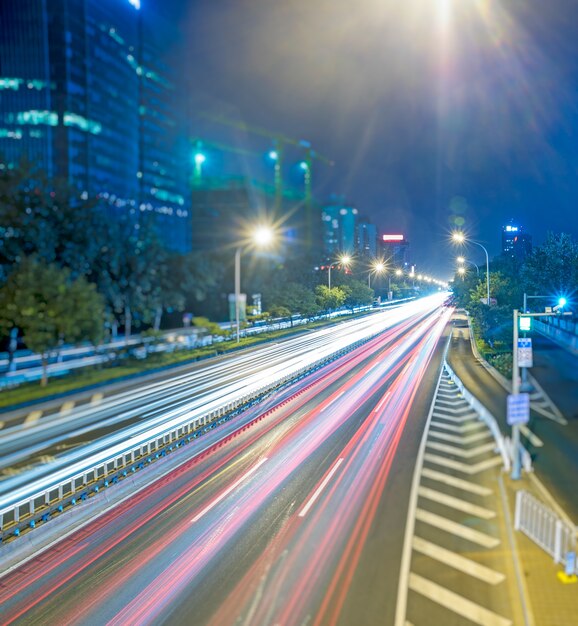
[(518, 409)]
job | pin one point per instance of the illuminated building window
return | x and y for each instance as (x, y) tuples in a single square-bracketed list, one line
[(35, 117), (72, 119)]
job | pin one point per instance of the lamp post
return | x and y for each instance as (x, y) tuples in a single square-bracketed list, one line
[(462, 260), (461, 238), (343, 260), (260, 237), (377, 268)]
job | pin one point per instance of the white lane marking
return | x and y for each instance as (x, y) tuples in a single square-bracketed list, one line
[(456, 603), (458, 429), (449, 394), (319, 489), (67, 407), (228, 490), (457, 561), (462, 467), (381, 402), (446, 479), (461, 439), (452, 418), (457, 404), (464, 454), (458, 530), (456, 503), (334, 399), (465, 407), (530, 436), (404, 568), (32, 417), (96, 398)]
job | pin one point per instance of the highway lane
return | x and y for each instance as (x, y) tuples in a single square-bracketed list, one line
[(306, 488), (37, 450)]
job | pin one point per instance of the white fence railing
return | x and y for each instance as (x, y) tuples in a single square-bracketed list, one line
[(545, 528)]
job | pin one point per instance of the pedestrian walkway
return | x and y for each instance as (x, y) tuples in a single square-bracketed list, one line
[(551, 442)]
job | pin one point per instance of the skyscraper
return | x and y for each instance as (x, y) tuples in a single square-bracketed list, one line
[(366, 241), (84, 97), (515, 243), (339, 222)]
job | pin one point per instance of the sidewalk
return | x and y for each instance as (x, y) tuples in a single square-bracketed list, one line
[(552, 445), (550, 602)]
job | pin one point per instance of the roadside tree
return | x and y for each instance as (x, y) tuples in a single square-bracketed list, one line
[(50, 308)]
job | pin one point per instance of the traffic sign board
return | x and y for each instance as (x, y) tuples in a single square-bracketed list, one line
[(525, 358), (518, 409)]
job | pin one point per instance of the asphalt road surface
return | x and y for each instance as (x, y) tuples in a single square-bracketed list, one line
[(298, 520)]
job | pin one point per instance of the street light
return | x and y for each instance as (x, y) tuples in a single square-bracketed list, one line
[(463, 260), (344, 260), (378, 267), (461, 238), (260, 237)]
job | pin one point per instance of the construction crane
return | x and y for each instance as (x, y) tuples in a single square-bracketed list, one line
[(276, 154)]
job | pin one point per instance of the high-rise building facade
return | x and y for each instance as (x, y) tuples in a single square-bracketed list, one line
[(339, 224), (366, 241), (516, 244), (395, 250), (84, 97)]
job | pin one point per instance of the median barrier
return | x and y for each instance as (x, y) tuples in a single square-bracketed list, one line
[(61, 490)]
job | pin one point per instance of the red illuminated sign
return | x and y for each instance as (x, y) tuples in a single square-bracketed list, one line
[(392, 237)]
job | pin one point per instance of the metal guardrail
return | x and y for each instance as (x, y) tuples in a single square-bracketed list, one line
[(545, 528), (485, 416), (35, 502)]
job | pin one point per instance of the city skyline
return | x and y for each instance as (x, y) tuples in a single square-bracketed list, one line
[(477, 130)]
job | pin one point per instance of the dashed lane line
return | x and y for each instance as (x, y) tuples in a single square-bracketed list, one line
[(470, 453), (485, 434), (457, 561), (452, 481), (32, 417), (321, 487), (456, 603), (462, 467), (455, 503)]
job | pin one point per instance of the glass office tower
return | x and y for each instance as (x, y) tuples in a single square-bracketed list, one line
[(84, 96)]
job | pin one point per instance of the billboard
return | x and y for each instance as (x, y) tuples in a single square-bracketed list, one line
[(392, 237)]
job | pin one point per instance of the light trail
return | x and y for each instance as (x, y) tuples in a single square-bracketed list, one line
[(140, 560)]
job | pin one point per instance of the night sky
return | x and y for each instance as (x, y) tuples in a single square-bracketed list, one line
[(436, 112)]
